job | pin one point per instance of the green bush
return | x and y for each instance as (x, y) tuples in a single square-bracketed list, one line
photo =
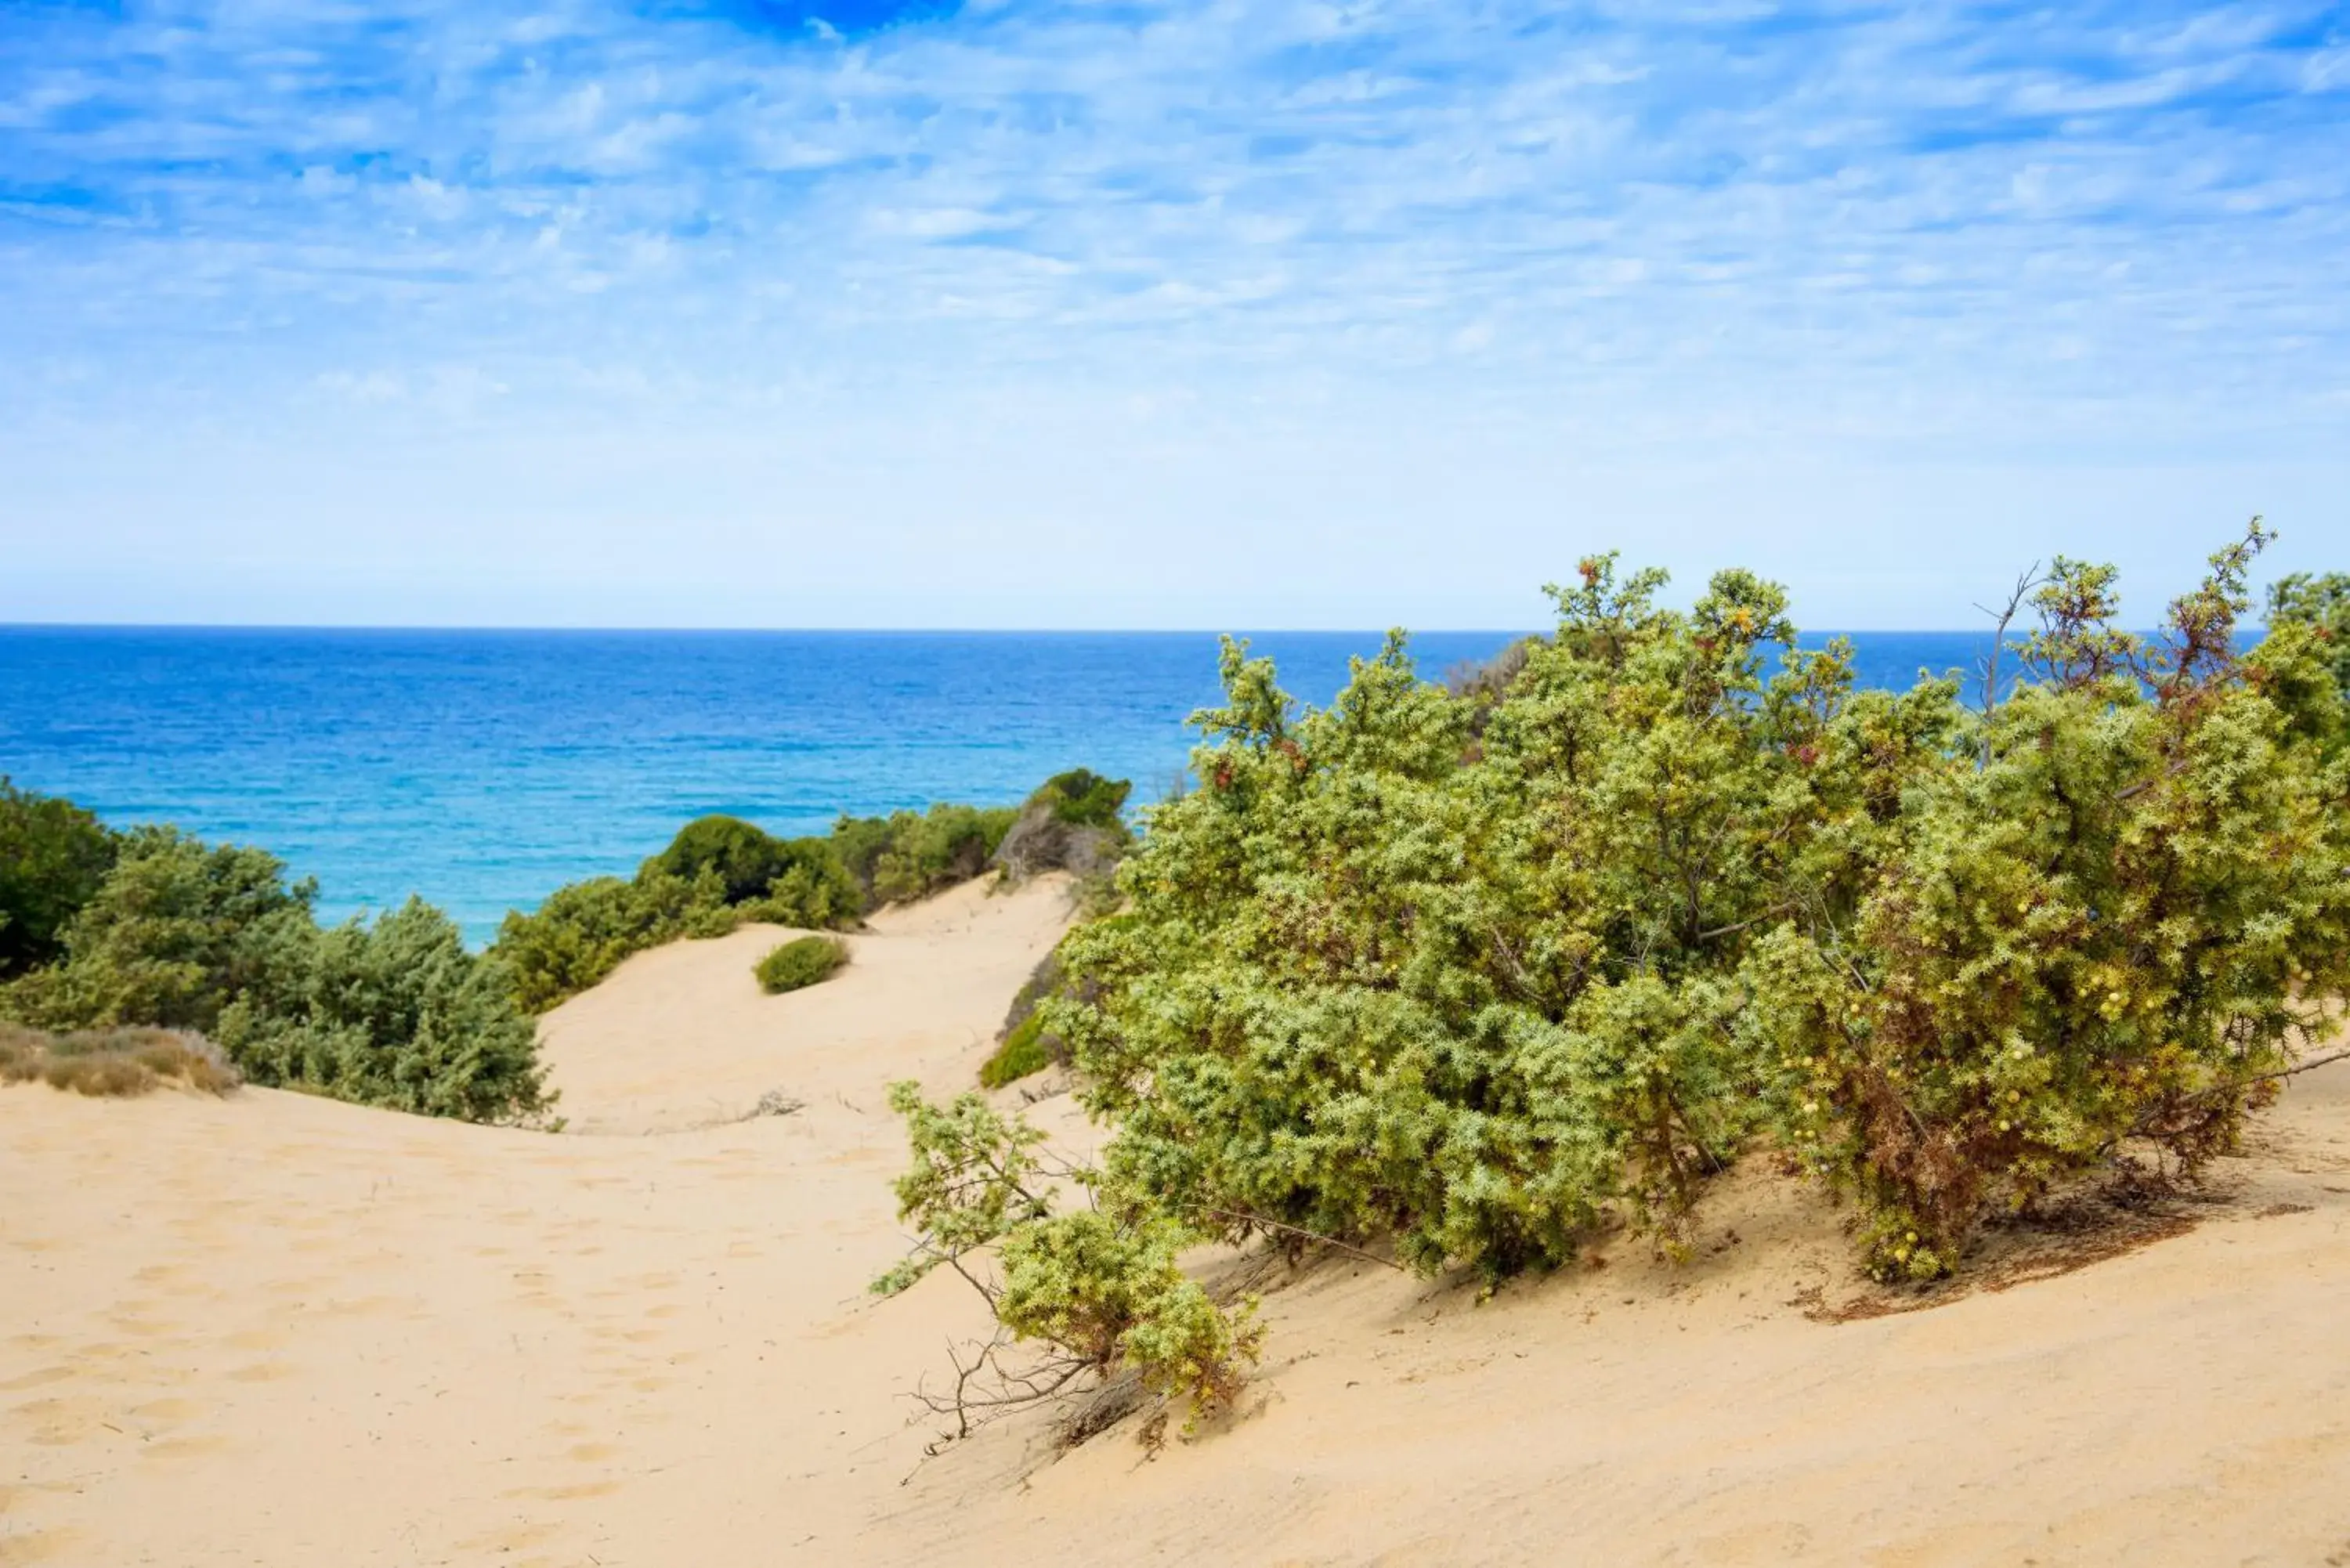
[(811, 888), (182, 935), (2310, 615), (1102, 1289), (1023, 1051), (394, 1014), (584, 929), (802, 961), (175, 930), (1470, 973), (1083, 798), (53, 856), (1108, 1293), (741, 856), (911, 855)]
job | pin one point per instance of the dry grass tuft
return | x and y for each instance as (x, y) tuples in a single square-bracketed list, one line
[(114, 1061)]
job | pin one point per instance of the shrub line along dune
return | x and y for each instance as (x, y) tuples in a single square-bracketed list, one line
[(721, 873), (152, 929), (1477, 975)]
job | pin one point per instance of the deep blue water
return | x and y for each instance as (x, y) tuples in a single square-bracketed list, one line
[(482, 769)]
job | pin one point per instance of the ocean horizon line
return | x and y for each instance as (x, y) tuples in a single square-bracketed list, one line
[(518, 630)]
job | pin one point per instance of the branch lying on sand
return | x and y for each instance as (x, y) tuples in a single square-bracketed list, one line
[(985, 1388)]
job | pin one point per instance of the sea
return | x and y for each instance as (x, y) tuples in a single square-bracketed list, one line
[(483, 769)]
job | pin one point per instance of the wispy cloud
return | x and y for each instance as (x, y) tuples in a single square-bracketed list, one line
[(1668, 222)]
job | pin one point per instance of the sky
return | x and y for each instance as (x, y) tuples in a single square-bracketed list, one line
[(1154, 314)]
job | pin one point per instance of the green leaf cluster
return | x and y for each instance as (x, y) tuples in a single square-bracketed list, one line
[(184, 935), (2311, 614), (1083, 798), (1104, 1289), (802, 961), (1109, 1293), (1024, 1051), (53, 856), (911, 855)]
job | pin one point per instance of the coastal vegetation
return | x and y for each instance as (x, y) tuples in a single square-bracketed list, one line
[(151, 930), (721, 873), (1022, 1051), (213, 940), (1101, 1290), (1477, 975), (53, 855), (802, 961), (114, 1061)]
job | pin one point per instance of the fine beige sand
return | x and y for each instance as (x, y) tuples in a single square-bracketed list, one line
[(281, 1331)]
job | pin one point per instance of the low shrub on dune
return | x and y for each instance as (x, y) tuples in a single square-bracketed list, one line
[(119, 1062), (800, 962), (1023, 1051)]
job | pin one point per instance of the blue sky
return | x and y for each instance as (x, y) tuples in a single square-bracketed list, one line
[(1247, 312)]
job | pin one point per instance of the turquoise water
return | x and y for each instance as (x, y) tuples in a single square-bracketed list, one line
[(482, 769)]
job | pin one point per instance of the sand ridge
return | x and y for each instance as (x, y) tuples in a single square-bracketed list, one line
[(278, 1330)]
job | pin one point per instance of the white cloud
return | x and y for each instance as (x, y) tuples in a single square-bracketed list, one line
[(1683, 231)]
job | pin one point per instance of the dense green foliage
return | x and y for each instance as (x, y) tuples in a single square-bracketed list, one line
[(1083, 798), (184, 935), (1471, 973), (176, 930), (911, 855), (53, 855), (1102, 1290), (1021, 1052), (2317, 608), (583, 930), (1106, 1291), (741, 858), (719, 873), (803, 962)]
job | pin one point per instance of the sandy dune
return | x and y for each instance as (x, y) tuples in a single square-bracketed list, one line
[(275, 1330)]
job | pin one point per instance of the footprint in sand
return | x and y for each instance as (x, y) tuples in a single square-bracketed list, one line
[(45, 1546), (171, 1449), (156, 1410), (38, 1379), (60, 1423)]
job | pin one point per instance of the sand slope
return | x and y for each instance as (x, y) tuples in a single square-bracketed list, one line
[(275, 1330)]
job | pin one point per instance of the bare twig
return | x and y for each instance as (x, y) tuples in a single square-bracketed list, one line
[(2025, 581), (2298, 1067)]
